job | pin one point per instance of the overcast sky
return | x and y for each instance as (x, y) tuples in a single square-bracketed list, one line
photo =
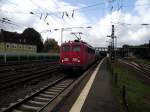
[(126, 15)]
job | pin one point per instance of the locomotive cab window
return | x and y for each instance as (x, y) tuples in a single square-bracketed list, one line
[(76, 48), (66, 48)]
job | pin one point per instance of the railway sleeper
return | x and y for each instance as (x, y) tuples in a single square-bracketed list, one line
[(41, 99), (35, 103), (47, 95), (28, 108), (37, 100), (17, 110), (51, 92), (58, 88), (55, 90)]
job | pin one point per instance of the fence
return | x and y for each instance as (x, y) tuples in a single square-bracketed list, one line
[(132, 93), (19, 57)]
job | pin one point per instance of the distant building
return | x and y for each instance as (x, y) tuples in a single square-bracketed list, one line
[(15, 42)]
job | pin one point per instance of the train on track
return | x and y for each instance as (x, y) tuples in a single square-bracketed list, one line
[(77, 55)]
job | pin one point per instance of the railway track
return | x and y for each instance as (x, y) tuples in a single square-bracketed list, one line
[(4, 69), (47, 97), (13, 78), (144, 68), (38, 100), (26, 62), (26, 69)]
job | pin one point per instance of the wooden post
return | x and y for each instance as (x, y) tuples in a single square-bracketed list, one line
[(116, 78), (124, 98), (124, 94)]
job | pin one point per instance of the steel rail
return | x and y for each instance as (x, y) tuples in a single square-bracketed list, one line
[(138, 67), (26, 77), (38, 100)]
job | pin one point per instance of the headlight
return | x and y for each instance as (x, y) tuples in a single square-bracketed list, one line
[(66, 59), (76, 60), (79, 61)]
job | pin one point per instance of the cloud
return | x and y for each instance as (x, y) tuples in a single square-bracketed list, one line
[(128, 28), (20, 14), (127, 25)]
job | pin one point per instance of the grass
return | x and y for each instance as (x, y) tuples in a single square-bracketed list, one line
[(137, 93)]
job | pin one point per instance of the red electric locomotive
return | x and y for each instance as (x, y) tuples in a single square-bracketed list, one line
[(76, 55)]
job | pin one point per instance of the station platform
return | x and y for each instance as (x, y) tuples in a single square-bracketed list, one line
[(93, 96)]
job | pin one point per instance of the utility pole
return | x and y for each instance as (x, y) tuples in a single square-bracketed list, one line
[(113, 43), (62, 35), (112, 36), (62, 30)]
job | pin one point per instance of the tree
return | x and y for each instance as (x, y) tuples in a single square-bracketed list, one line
[(34, 37), (50, 45)]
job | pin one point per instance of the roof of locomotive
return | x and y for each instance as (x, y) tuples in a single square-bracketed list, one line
[(77, 42)]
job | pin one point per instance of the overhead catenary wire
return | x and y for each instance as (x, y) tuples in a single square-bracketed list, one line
[(75, 9), (15, 5), (55, 14), (10, 22), (78, 9), (38, 14), (10, 2), (63, 14)]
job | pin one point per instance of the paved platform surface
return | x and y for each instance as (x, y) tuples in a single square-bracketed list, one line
[(100, 98)]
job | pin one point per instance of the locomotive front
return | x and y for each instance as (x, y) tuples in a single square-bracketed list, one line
[(71, 55)]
